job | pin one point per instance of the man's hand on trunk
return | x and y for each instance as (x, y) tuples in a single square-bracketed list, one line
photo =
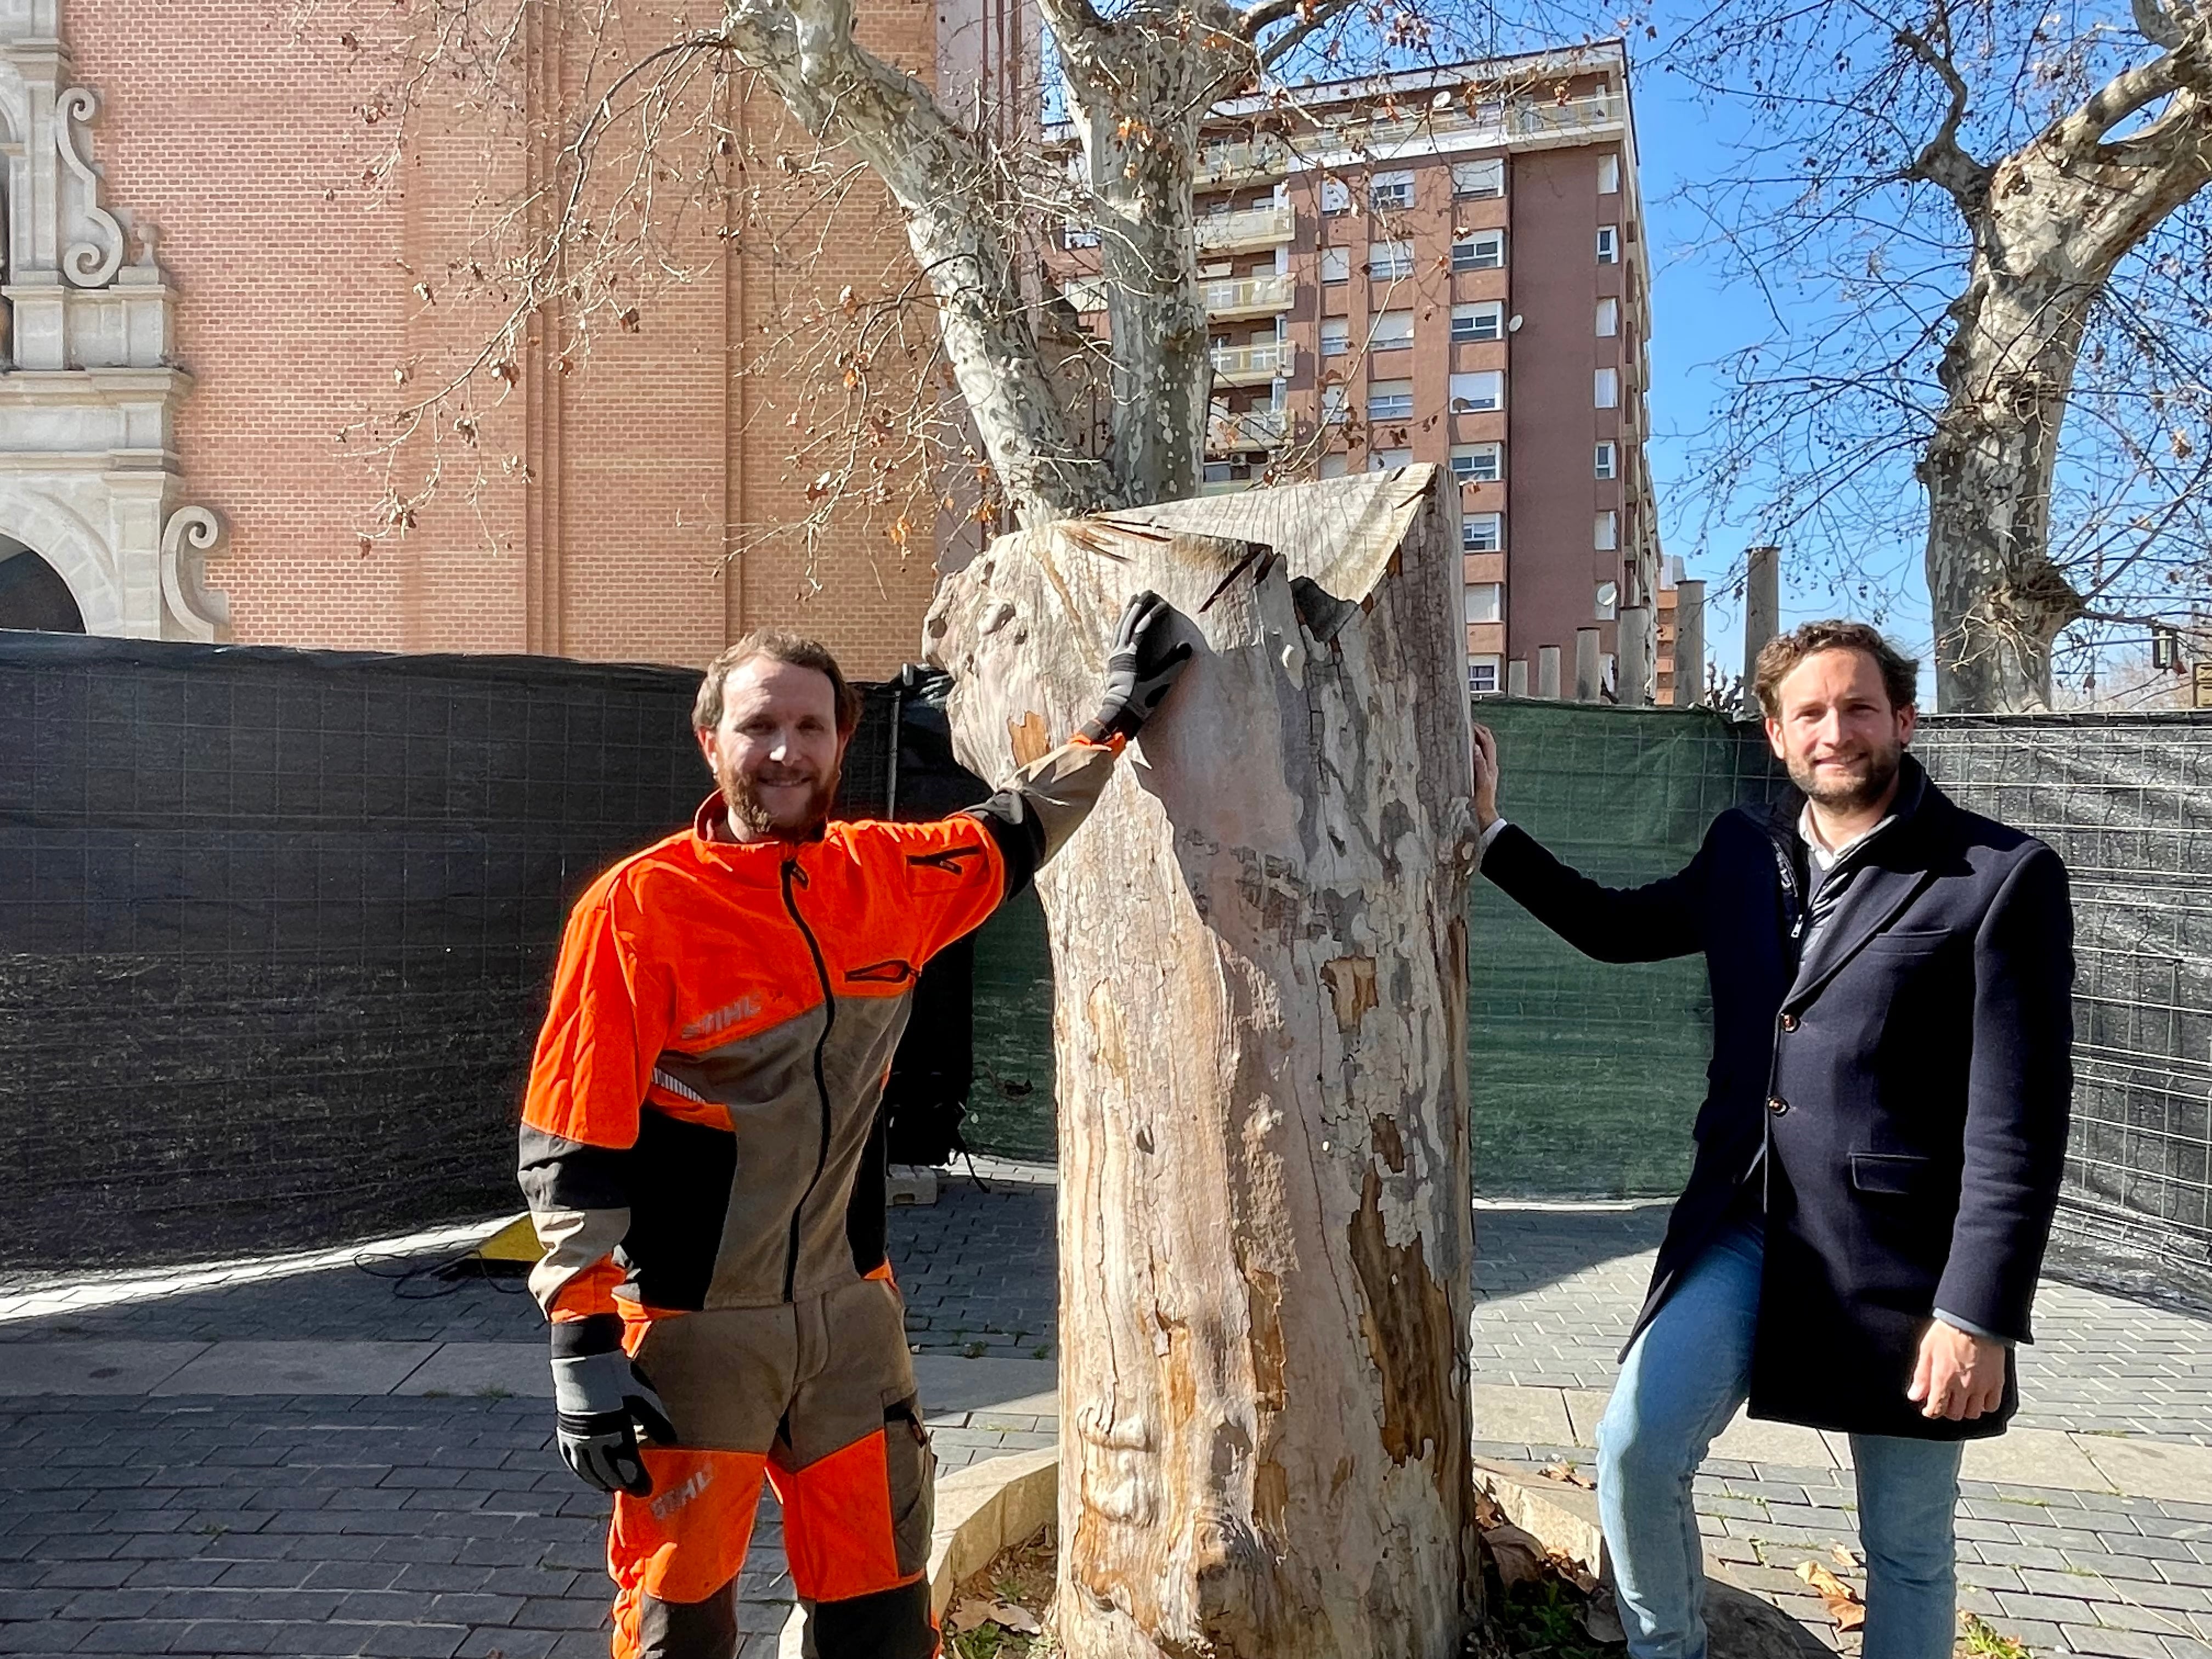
[(1485, 778)]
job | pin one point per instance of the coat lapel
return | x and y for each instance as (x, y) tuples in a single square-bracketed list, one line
[(1899, 867)]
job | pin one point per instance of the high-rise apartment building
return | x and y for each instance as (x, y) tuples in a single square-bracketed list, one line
[(1449, 266)]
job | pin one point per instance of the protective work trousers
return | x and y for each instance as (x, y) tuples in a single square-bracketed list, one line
[(819, 1395)]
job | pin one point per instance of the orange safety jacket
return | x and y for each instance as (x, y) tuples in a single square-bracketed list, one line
[(702, 1127)]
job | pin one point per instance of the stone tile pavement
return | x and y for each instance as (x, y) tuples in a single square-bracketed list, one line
[(385, 1506)]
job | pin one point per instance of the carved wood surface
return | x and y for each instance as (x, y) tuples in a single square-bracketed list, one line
[(1258, 957)]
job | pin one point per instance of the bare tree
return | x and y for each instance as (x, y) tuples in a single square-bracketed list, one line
[(1972, 219)]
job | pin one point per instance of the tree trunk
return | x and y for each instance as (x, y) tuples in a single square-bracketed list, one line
[(2049, 225), (1998, 600), (1260, 979)]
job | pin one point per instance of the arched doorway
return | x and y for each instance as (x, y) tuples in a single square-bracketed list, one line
[(33, 594)]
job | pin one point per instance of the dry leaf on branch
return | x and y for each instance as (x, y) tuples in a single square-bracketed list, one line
[(1841, 1600)]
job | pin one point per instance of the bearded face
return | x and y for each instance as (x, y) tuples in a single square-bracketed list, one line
[(776, 753), (1837, 732)]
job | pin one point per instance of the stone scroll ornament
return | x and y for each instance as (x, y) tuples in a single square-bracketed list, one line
[(199, 614), (1259, 954), (88, 264)]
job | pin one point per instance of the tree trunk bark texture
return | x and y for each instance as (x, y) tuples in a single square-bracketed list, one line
[(1260, 954), (1999, 601), (2050, 223)]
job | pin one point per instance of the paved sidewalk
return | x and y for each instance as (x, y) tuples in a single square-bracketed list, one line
[(315, 1464)]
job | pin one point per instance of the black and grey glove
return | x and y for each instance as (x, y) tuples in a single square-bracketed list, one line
[(1139, 668), (602, 1403)]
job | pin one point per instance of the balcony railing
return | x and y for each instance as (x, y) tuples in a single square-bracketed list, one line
[(1271, 292), (1255, 429), (1244, 159), (1267, 157), (1270, 360), (1247, 228), (1225, 486)]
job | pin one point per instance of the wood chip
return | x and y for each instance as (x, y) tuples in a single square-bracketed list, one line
[(1567, 1475)]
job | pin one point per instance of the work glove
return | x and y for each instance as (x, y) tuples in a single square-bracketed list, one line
[(1139, 668), (601, 1403)]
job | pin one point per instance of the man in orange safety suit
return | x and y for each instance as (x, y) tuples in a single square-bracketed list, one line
[(702, 1151)]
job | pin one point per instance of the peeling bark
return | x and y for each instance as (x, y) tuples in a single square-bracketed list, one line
[(2050, 223), (1259, 970)]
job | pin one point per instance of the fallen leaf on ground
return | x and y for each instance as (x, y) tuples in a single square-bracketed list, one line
[(1847, 1559), (1520, 1558), (1567, 1474), (1572, 1569), (973, 1612), (1841, 1600)]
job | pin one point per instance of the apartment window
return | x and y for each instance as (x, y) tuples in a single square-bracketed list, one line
[(1486, 601), (1336, 264), (1608, 244), (1478, 462), (1482, 532), (1335, 405), (1392, 329), (1607, 388), (1482, 676), (1335, 197), (1478, 178), (1383, 460), (1605, 533), (1483, 320), (1605, 468), (1481, 390), (1335, 337), (1217, 472), (1390, 400), (1608, 175), (1390, 193), (1608, 604), (1483, 251), (1389, 262), (1608, 319), (1335, 466)]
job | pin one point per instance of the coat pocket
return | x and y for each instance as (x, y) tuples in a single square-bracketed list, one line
[(1896, 1174), (1910, 941)]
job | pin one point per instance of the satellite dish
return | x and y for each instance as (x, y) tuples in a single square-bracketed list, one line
[(1513, 324)]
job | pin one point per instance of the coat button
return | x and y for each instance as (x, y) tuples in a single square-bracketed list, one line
[(1775, 1105), (1789, 1022)]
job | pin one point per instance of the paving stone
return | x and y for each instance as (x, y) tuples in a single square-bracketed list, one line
[(2109, 1643)]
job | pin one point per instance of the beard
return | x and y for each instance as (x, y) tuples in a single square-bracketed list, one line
[(1863, 785), (748, 811)]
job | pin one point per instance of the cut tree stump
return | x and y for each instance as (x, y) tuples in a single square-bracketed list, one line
[(1259, 957)]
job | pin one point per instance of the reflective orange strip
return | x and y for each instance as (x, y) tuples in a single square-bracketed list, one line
[(837, 1524)]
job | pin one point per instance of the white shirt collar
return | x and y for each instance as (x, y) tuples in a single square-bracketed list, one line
[(1823, 859)]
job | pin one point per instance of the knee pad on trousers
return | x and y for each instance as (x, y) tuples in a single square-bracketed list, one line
[(892, 1624)]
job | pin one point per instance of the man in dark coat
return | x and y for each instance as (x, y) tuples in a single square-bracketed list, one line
[(1880, 1146)]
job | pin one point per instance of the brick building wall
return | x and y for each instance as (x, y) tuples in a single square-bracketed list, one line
[(298, 308)]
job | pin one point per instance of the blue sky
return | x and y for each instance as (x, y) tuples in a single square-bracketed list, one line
[(1698, 317)]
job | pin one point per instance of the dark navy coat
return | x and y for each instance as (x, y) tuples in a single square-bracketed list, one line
[(1908, 1081)]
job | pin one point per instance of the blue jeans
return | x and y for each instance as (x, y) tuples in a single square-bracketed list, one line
[(1683, 1380)]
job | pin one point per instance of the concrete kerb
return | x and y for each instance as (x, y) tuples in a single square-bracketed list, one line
[(980, 1510), (1563, 1518)]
